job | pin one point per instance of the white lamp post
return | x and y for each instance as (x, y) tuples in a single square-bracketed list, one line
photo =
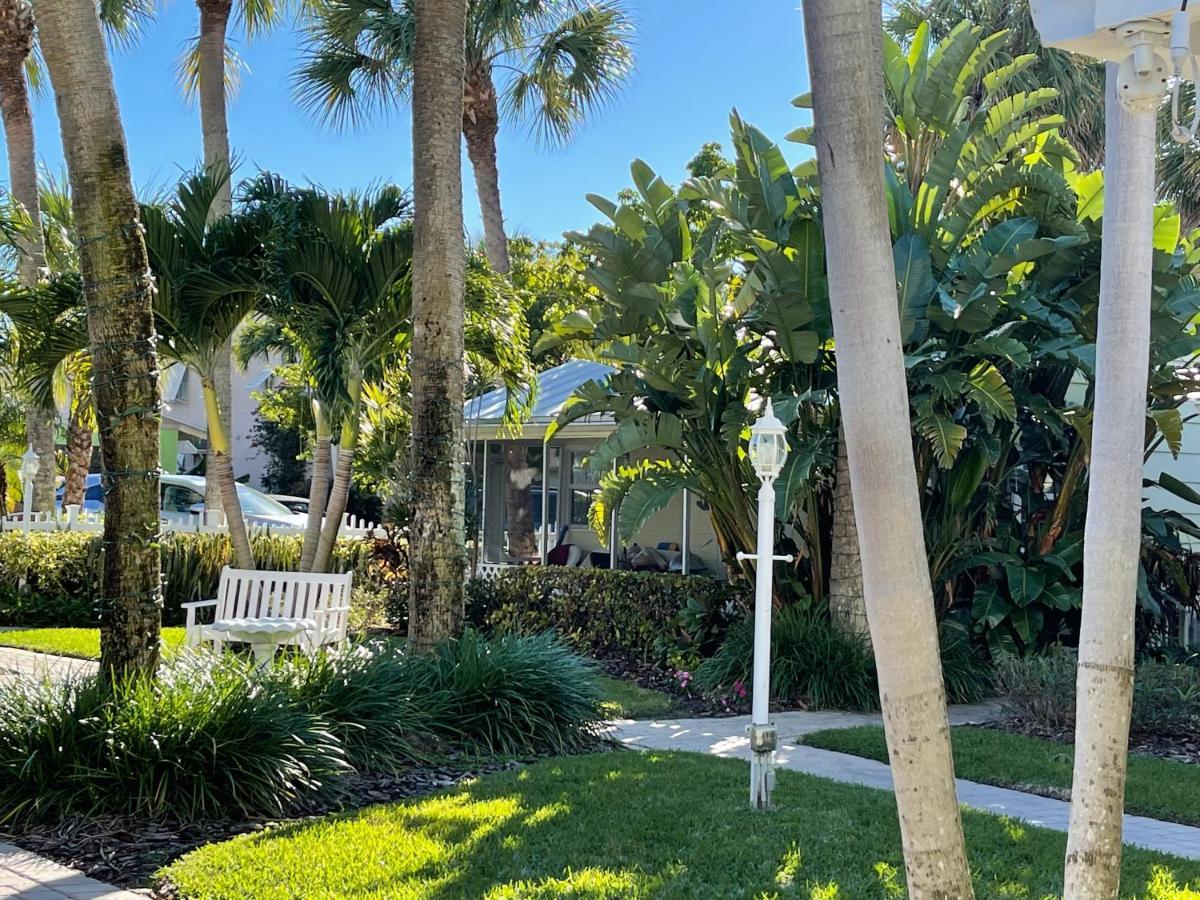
[(768, 453), (29, 469)]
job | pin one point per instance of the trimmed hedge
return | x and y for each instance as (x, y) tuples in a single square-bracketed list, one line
[(599, 611), (49, 578)]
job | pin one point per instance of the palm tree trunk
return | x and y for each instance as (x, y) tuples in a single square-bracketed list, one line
[(845, 60), (214, 125), (1112, 533), (79, 459), (16, 43), (118, 290), (518, 501), (220, 469), (341, 483), (847, 604), (318, 489), (481, 123), (438, 559)]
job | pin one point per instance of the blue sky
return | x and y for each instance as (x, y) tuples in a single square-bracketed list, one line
[(697, 59)]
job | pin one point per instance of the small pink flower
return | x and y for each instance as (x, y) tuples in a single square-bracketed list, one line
[(739, 690)]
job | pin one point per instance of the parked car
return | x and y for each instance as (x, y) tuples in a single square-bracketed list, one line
[(182, 496), (295, 504)]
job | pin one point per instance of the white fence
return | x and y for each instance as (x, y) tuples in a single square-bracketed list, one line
[(75, 519)]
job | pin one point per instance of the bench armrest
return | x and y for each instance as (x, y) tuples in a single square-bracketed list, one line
[(191, 626), (197, 604)]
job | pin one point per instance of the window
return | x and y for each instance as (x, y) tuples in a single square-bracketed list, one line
[(178, 499), (583, 488)]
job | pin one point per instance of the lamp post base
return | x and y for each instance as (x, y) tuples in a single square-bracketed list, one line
[(763, 740)]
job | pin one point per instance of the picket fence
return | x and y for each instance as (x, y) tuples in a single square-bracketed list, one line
[(75, 519)]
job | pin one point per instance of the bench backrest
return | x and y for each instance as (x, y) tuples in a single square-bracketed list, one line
[(251, 594)]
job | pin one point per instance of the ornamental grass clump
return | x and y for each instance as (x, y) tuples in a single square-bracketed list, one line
[(512, 695), (208, 738), (367, 696)]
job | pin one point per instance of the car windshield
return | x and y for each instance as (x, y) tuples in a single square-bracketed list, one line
[(256, 504)]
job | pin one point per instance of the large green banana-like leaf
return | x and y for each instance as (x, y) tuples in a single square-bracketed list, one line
[(641, 431), (915, 283), (1169, 423), (989, 389), (650, 493), (944, 435)]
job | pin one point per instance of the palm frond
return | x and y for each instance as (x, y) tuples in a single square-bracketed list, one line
[(187, 70)]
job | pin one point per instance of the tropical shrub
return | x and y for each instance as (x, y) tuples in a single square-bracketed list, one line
[(205, 739), (509, 694), (1040, 691), (602, 612), (814, 663)]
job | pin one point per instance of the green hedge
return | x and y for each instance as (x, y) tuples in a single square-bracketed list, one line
[(601, 611), (50, 579)]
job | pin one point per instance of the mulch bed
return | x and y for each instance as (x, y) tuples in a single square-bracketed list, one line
[(686, 703), (1182, 746), (127, 852)]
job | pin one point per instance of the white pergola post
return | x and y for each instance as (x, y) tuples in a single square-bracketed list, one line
[(545, 502), (483, 507), (686, 543)]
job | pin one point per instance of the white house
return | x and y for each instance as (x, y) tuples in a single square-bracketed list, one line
[(509, 470)]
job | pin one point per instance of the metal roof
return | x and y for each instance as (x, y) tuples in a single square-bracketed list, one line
[(554, 387)]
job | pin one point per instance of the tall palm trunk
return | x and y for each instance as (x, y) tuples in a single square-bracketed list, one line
[(518, 501), (846, 64), (481, 124), (79, 458), (118, 290), (220, 470), (340, 494), (214, 125), (318, 488), (1112, 533), (847, 605), (438, 558), (16, 43)]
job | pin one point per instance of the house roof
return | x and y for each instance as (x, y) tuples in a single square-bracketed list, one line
[(554, 386)]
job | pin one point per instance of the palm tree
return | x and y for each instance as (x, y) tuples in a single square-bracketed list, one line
[(338, 278), (555, 62), (208, 283), (1112, 533), (845, 62), (119, 290), (437, 564)]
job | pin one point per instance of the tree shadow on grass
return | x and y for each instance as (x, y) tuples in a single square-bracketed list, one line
[(629, 825)]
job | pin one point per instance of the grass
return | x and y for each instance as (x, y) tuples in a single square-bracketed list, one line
[(1158, 788), (626, 700), (83, 643), (632, 825)]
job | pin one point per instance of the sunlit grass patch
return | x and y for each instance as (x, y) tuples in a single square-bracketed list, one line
[(83, 643), (626, 825)]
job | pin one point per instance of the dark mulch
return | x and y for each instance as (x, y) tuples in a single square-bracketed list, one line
[(126, 852), (1181, 746)]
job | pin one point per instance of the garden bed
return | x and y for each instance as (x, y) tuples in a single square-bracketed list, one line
[(671, 825), (1158, 788)]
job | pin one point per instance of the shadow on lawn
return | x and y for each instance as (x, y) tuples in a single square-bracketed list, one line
[(631, 825)]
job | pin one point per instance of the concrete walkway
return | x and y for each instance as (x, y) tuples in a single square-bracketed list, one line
[(25, 664), (30, 877), (727, 738)]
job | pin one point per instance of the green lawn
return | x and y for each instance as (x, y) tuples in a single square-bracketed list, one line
[(625, 700), (631, 825), (81, 642), (1157, 788)]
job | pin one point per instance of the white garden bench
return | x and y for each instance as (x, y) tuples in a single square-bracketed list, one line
[(318, 600)]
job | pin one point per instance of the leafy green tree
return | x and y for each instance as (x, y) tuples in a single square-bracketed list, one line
[(546, 63)]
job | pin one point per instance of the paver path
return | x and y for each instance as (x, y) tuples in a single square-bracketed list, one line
[(30, 877), (16, 663), (727, 738)]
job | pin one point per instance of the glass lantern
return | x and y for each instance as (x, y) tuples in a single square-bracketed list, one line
[(29, 465), (768, 445)]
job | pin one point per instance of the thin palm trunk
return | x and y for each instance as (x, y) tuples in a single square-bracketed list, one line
[(318, 489), (481, 124), (214, 125), (438, 559), (79, 458), (847, 605), (518, 501), (118, 290), (844, 40), (340, 495), (16, 43), (220, 468), (1112, 533)]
